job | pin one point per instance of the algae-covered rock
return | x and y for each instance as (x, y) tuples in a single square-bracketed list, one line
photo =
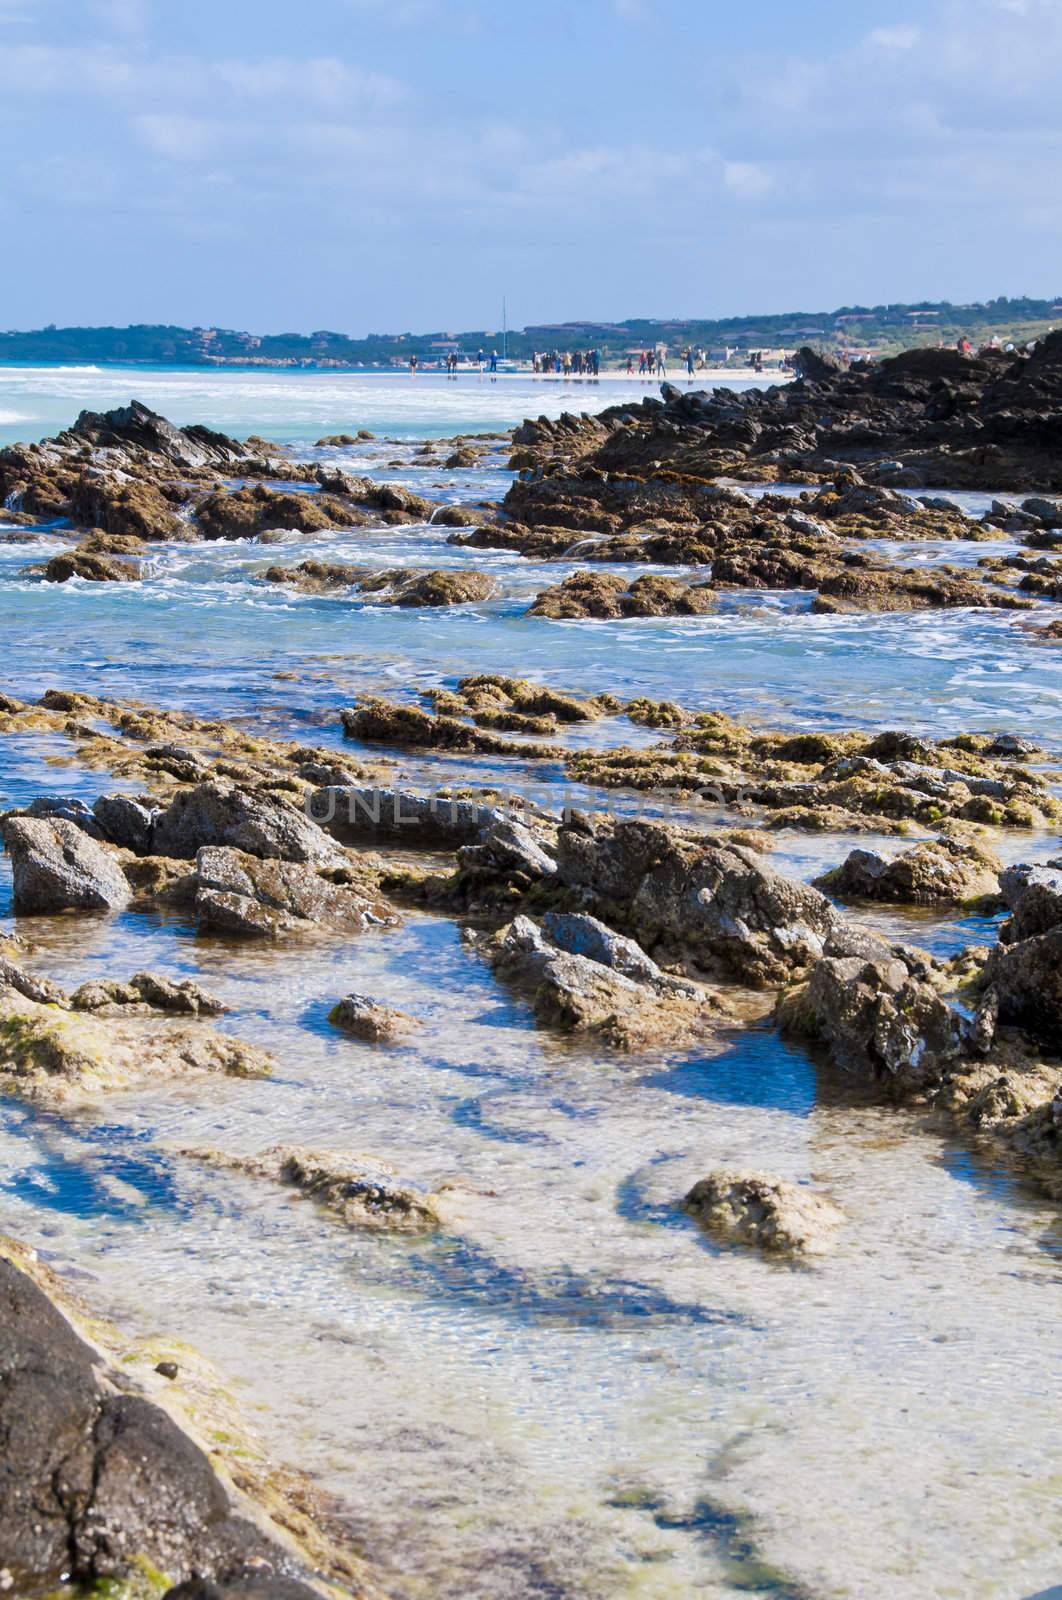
[(357, 1190), (947, 870), (364, 1018), (768, 1213), (55, 1050)]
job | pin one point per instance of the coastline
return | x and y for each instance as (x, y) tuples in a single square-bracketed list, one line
[(793, 711)]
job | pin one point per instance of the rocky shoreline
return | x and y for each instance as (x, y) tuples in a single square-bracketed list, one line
[(626, 937)]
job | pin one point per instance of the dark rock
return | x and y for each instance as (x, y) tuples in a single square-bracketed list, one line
[(93, 1480), (220, 813), (58, 867), (241, 894)]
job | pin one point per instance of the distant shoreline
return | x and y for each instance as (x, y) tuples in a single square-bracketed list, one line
[(676, 373)]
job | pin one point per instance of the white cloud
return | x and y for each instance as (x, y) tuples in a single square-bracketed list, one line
[(901, 36), (746, 179)]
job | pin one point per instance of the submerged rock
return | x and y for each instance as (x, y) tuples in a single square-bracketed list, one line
[(58, 867), (357, 1190), (143, 994), (54, 1051), (366, 1019), (765, 1212)]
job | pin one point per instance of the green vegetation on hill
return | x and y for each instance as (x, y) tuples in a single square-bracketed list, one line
[(880, 330)]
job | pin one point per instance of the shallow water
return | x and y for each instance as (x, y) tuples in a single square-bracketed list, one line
[(571, 1393)]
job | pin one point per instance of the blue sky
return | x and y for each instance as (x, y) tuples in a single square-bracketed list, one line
[(379, 165)]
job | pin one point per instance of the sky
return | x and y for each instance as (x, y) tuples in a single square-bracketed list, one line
[(393, 165)]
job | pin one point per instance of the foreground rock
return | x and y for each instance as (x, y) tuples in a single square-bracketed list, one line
[(366, 1019), (58, 867), (356, 1190), (100, 1486), (585, 979), (55, 1051), (774, 1216)]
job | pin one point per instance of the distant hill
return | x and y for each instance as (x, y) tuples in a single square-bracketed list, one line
[(871, 329)]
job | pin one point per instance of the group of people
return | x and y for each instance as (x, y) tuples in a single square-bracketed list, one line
[(569, 363)]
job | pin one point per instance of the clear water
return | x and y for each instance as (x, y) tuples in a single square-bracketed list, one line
[(569, 1393)]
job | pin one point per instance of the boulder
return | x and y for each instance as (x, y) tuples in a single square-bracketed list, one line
[(60, 807), (241, 894), (506, 848), (126, 822), (447, 586), (58, 867), (1027, 979), (879, 1019), (366, 1019), (947, 870), (716, 905), (1033, 895), (354, 813), (98, 1485), (589, 993), (92, 568), (221, 813), (774, 1216)]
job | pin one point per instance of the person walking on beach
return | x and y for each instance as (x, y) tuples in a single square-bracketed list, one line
[(641, 364), (630, 367), (689, 362), (413, 366), (494, 361), (595, 362), (661, 364)]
